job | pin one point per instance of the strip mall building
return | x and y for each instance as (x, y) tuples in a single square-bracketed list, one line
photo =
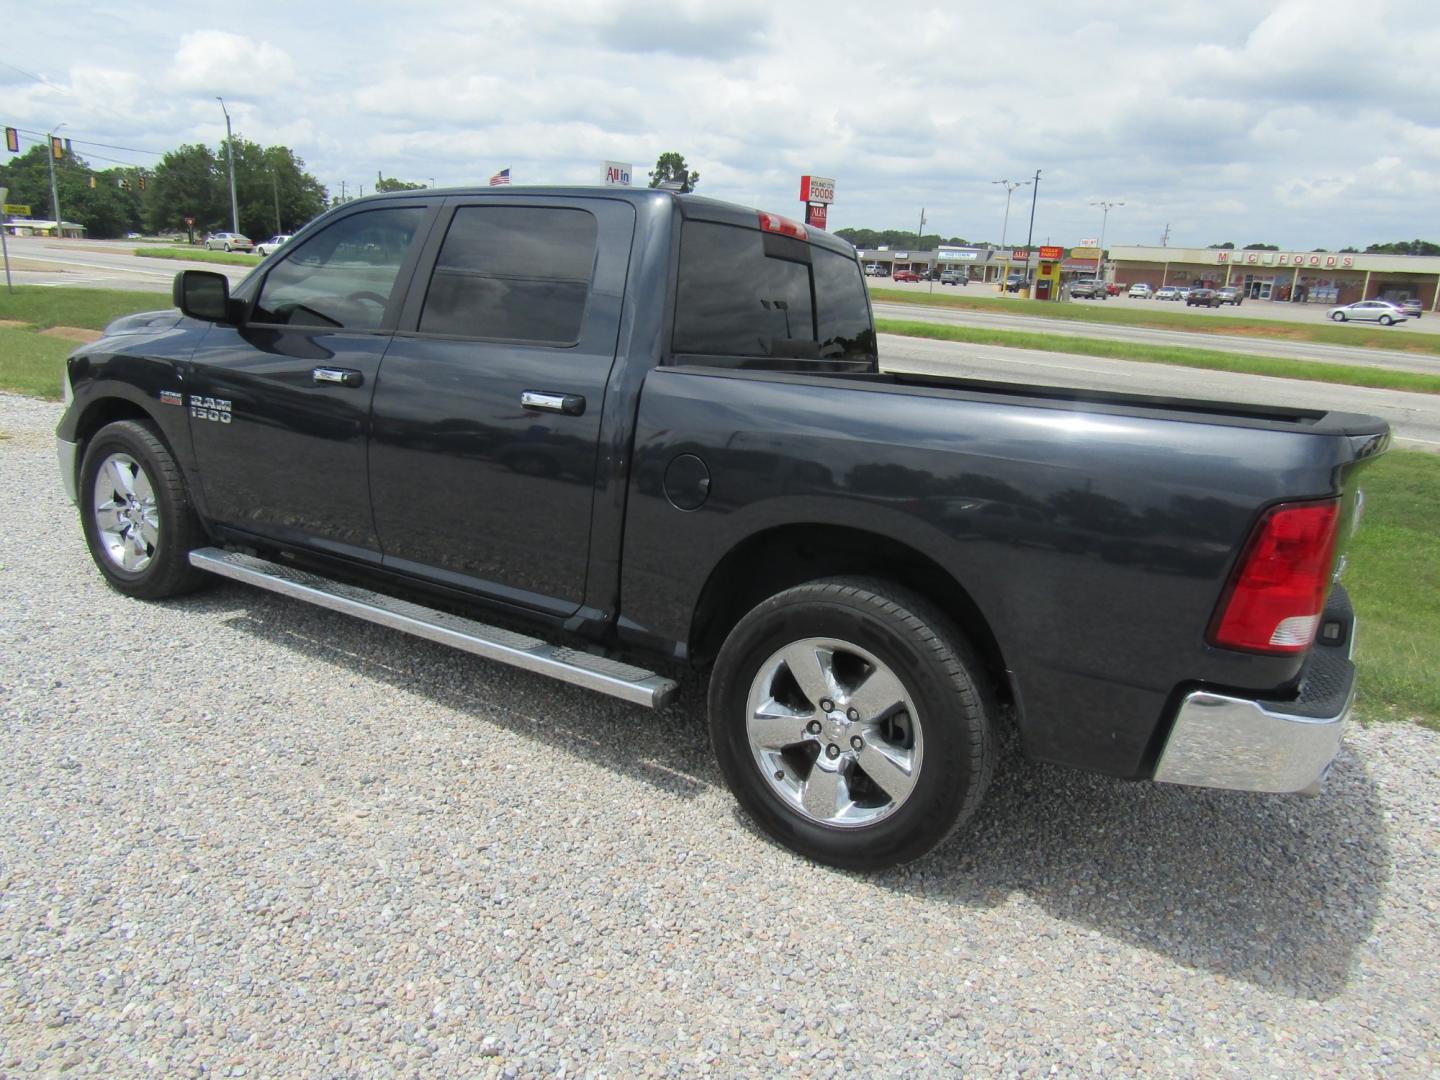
[(1316, 277)]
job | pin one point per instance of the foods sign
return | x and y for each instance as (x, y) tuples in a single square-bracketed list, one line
[(1285, 258), (819, 189)]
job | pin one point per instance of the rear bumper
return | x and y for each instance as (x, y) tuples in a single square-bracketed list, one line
[(1243, 744)]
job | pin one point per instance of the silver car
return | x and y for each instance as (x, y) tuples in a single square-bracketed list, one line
[(265, 247), (1381, 311), (228, 241)]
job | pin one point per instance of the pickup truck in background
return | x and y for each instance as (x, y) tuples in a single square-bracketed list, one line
[(607, 434)]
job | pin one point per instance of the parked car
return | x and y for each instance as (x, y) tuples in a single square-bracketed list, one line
[(1126, 611), (1167, 292), (1202, 297), (1181, 292), (954, 277), (228, 241), (1140, 291), (1411, 307), (1015, 282), (905, 275), (1229, 295), (1112, 288), (273, 244), (1087, 289), (1381, 311)]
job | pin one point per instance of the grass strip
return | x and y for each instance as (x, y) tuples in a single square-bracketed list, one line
[(1162, 317), (1278, 367), (188, 254), (93, 309), (1394, 579), (32, 364)]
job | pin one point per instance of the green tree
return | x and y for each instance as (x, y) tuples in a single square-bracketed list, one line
[(389, 183), (188, 182), (105, 209), (671, 166), (1228, 245), (1261, 247), (273, 192), (1404, 247)]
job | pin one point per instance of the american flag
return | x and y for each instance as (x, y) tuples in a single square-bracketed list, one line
[(501, 177)]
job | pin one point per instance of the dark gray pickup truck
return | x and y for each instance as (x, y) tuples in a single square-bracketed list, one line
[(584, 430)]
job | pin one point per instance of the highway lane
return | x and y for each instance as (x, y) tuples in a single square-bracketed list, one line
[(99, 264), (1415, 418), (1258, 346)]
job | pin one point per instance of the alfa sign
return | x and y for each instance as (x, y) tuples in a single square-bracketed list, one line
[(617, 174), (819, 189)]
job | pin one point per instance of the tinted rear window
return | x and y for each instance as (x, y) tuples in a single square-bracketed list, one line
[(742, 292)]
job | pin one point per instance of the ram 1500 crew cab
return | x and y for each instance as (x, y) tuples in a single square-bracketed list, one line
[(610, 434)]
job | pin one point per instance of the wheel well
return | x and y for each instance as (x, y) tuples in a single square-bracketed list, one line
[(107, 411), (773, 561)]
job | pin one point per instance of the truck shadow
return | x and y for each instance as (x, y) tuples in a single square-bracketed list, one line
[(1276, 891), (1279, 891)]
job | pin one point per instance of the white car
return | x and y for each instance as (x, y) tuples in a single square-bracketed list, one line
[(1140, 291), (265, 247), (1168, 292), (228, 241), (1381, 311)]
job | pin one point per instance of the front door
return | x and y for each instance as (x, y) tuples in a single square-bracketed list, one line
[(487, 414), (280, 405)]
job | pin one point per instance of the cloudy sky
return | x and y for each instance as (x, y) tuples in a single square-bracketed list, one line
[(1305, 124)]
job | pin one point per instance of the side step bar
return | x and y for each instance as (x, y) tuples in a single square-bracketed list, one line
[(611, 677)]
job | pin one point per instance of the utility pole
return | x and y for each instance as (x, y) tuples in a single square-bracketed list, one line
[(1010, 186), (1034, 194), (1100, 262), (1165, 239), (919, 243), (230, 157), (54, 191), (275, 187)]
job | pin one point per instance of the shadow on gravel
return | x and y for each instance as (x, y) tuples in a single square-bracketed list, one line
[(668, 748), (1278, 891)]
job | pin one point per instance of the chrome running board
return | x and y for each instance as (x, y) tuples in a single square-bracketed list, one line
[(505, 646)]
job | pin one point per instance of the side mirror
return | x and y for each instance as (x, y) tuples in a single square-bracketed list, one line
[(203, 294)]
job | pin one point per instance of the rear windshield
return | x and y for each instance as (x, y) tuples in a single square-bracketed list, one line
[(746, 293)]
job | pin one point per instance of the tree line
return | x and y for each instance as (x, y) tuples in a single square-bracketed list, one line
[(273, 192)]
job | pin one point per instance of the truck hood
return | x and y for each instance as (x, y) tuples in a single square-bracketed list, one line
[(144, 322)]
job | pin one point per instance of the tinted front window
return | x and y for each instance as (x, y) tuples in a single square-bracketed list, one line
[(513, 273), (742, 292), (343, 276)]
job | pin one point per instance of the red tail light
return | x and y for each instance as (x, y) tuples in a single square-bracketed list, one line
[(1277, 594), (782, 225)]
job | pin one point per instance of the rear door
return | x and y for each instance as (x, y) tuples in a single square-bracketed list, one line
[(486, 419), (280, 406)]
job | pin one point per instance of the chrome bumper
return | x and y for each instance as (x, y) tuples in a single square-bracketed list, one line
[(66, 452), (1231, 742)]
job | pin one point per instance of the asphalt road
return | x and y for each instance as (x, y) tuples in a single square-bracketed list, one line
[(99, 264), (1415, 418)]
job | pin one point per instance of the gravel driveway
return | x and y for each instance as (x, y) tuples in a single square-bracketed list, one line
[(240, 836)]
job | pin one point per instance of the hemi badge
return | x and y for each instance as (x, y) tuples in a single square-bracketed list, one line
[(170, 397)]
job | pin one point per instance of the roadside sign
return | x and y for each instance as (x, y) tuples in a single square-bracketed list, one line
[(617, 174), (817, 189), (1049, 253), (18, 209), (189, 221)]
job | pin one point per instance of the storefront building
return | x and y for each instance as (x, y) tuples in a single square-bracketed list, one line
[(1315, 277)]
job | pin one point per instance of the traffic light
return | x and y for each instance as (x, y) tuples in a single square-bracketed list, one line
[(12, 140), (57, 148), (142, 181), (124, 183), (92, 181)]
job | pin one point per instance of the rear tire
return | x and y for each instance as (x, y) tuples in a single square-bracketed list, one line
[(1386, 320), (136, 513), (852, 722), (1339, 316)]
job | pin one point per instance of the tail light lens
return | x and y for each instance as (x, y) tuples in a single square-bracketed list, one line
[(774, 223), (1277, 594)]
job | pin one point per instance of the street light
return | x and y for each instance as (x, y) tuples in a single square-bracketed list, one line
[(54, 191), (230, 157), (432, 181), (1100, 259), (1010, 186)]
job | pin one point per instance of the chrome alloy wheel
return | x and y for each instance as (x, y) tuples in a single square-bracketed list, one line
[(834, 732), (127, 518)]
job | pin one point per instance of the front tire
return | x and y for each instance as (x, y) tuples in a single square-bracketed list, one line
[(852, 722), (136, 513), (1386, 320)]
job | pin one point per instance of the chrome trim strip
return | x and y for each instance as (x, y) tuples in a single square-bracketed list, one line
[(597, 673), (67, 452), (1227, 742)]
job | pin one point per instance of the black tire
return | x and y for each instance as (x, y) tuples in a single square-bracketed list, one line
[(939, 724), (158, 551), (1386, 320), (1339, 316)]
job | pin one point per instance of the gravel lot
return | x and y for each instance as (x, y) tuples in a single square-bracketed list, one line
[(242, 837)]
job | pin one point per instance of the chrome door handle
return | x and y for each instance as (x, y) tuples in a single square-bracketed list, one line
[(569, 404), (338, 376)]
